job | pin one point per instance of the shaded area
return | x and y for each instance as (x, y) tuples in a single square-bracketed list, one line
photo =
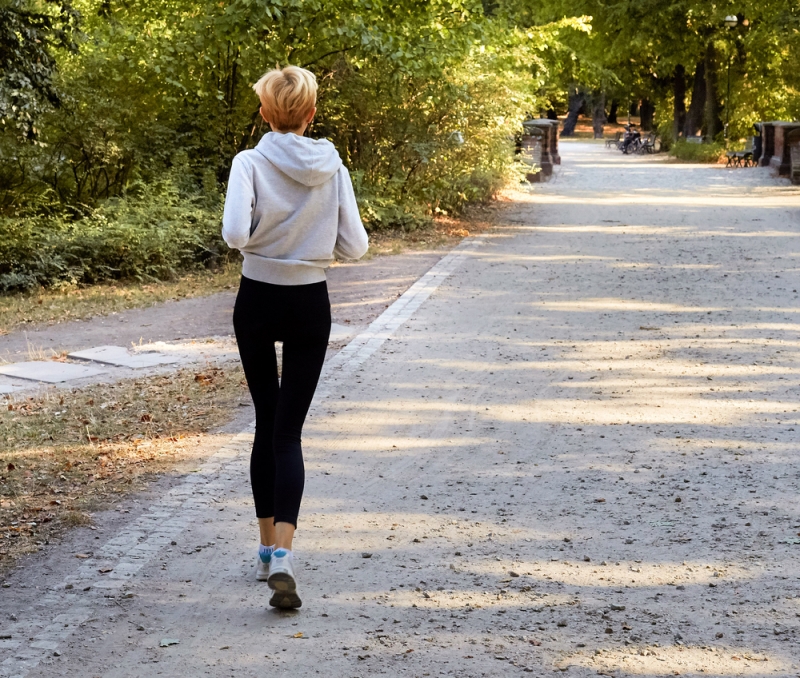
[(510, 462)]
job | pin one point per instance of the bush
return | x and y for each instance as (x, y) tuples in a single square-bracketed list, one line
[(701, 153), (152, 232)]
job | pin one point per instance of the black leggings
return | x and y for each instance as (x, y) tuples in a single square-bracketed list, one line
[(300, 317)]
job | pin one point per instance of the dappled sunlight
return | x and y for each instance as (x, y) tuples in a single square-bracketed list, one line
[(625, 305), (585, 443), (649, 661)]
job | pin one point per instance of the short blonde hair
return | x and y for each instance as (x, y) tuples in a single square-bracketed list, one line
[(287, 96)]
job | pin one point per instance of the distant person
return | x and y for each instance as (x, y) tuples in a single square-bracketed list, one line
[(290, 208), (631, 135)]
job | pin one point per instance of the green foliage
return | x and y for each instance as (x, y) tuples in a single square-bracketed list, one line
[(29, 32), (701, 153), (154, 231), (422, 100)]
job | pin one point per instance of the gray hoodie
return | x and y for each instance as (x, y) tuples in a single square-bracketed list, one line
[(290, 207)]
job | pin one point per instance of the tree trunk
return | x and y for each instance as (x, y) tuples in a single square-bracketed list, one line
[(598, 114), (694, 118), (612, 113), (551, 114), (634, 109), (646, 112), (576, 101), (712, 121), (679, 105)]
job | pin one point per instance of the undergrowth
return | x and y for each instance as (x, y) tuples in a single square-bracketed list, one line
[(700, 153), (154, 232)]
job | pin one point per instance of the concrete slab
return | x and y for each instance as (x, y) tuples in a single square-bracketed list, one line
[(122, 357), (47, 371), (8, 388)]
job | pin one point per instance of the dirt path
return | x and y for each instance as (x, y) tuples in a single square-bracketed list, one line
[(360, 291), (571, 446)]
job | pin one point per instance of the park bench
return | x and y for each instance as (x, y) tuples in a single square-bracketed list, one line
[(651, 143), (793, 139), (615, 142), (741, 158), (694, 140)]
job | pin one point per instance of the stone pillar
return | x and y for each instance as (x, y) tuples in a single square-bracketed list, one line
[(767, 143), (535, 153), (556, 158), (546, 130), (793, 141), (781, 159)]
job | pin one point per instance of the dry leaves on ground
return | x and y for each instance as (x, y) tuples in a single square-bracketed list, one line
[(66, 452)]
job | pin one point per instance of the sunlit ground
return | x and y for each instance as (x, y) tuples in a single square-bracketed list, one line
[(579, 455)]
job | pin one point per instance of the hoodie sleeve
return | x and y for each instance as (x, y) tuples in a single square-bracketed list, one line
[(237, 218), (351, 241)]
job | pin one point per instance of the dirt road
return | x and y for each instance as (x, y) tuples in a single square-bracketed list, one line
[(570, 447)]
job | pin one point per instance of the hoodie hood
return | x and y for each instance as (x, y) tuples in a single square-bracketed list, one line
[(310, 162)]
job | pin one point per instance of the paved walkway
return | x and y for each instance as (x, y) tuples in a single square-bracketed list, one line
[(572, 445), (198, 329)]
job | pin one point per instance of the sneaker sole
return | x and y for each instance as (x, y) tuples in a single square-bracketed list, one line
[(285, 588)]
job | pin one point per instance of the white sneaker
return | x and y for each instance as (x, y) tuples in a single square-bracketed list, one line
[(262, 562), (281, 580)]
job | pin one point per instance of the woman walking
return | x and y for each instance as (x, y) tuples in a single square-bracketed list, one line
[(289, 209)]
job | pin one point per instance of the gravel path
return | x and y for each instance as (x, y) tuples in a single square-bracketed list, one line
[(567, 448)]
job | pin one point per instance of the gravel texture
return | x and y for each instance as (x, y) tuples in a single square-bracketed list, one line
[(577, 455)]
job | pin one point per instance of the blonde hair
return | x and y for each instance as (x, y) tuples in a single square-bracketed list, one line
[(287, 96)]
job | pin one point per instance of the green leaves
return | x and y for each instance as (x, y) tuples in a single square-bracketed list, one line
[(30, 33)]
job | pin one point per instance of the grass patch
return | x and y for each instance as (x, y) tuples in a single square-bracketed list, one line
[(442, 233), (66, 453), (77, 303), (51, 305), (700, 153)]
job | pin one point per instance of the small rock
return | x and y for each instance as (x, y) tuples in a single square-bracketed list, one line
[(719, 635), (366, 555), (561, 622), (423, 496), (678, 500), (511, 573), (166, 642), (617, 608), (56, 653), (609, 630)]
